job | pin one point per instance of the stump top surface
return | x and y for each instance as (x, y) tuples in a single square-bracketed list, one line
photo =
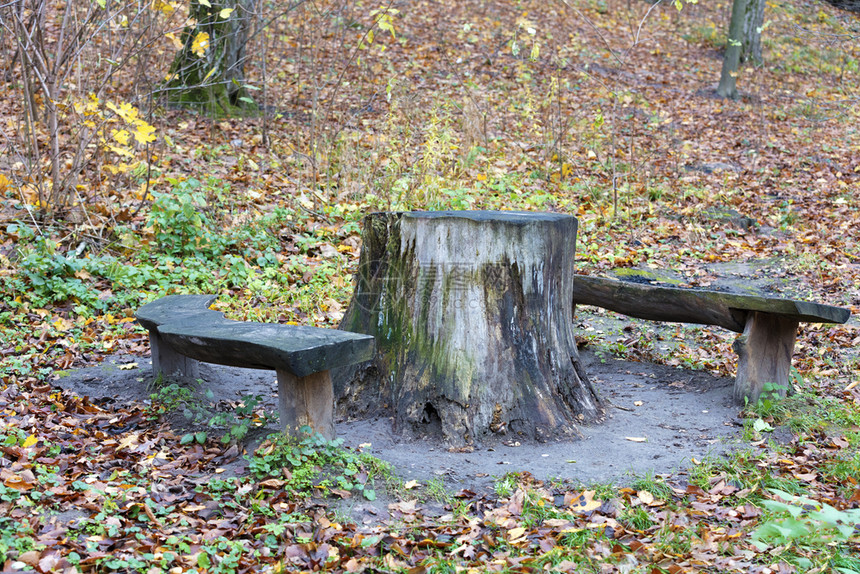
[(515, 217)]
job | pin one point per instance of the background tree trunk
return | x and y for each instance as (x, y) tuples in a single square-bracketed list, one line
[(215, 81), (744, 42), (472, 317), (753, 23)]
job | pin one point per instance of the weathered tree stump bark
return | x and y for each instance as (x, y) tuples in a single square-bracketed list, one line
[(472, 318)]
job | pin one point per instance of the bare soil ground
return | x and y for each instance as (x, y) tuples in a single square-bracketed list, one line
[(658, 419)]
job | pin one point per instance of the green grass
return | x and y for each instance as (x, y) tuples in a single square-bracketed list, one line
[(654, 485), (316, 464)]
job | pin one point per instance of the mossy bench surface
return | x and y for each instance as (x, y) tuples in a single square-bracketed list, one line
[(768, 325), (688, 305), (183, 330)]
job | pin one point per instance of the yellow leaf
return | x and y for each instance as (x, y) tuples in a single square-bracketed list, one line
[(162, 6), (144, 133), (30, 441), (566, 169), (225, 13), (200, 43), (410, 484), (126, 111), (585, 502), (120, 135), (205, 3), (177, 43), (209, 75), (120, 151)]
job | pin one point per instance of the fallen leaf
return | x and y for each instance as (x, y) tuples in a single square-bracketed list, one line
[(516, 534), (127, 442), (636, 438), (30, 558), (583, 502), (410, 484), (48, 562)]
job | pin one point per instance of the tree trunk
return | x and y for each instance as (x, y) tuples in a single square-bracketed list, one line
[(753, 23), (744, 43), (208, 71), (473, 325)]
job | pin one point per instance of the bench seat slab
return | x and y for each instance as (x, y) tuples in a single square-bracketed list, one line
[(183, 332), (688, 305), (767, 325), (299, 350), (175, 309)]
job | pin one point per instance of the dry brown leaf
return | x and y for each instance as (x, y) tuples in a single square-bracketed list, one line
[(646, 497)]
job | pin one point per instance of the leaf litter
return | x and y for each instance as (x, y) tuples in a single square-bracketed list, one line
[(95, 484)]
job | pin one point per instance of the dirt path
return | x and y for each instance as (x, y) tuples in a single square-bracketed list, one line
[(658, 419)]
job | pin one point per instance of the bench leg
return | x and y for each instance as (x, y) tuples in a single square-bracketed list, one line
[(764, 355), (306, 401), (168, 363)]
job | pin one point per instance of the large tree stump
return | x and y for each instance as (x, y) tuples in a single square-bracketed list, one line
[(472, 318)]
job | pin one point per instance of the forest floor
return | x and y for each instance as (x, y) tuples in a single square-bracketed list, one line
[(604, 110)]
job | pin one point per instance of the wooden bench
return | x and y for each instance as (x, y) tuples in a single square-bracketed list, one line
[(767, 325), (183, 331)]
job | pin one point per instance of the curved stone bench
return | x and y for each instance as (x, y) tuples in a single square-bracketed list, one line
[(767, 325), (183, 331)]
